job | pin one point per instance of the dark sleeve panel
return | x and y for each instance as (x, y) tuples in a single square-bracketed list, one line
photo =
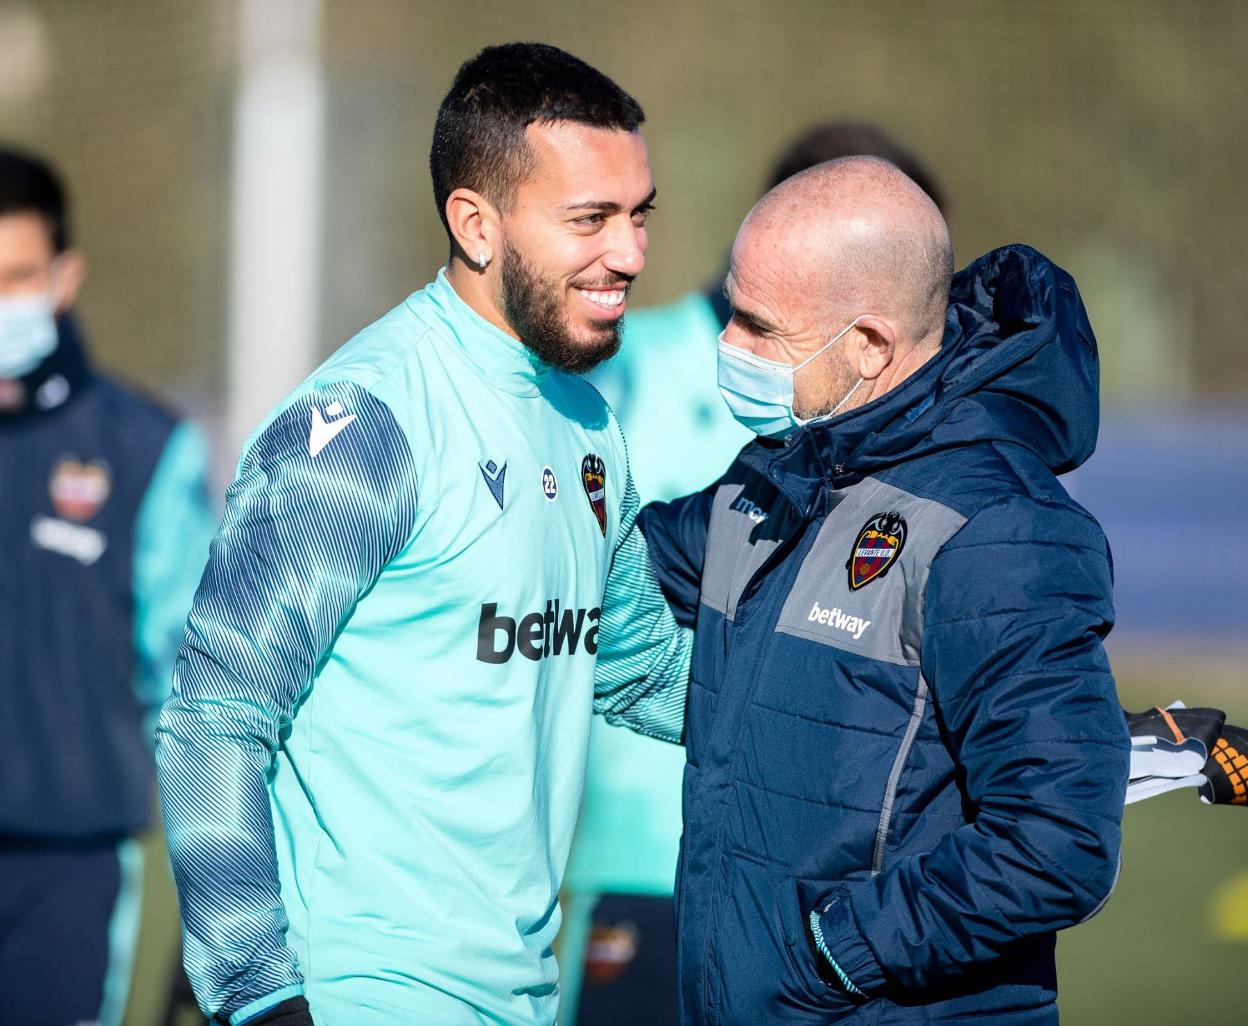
[(675, 534), (325, 497)]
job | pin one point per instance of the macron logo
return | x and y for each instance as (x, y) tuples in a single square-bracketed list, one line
[(750, 509), (854, 625), (325, 431)]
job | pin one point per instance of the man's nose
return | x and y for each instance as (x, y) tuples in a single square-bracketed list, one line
[(626, 250)]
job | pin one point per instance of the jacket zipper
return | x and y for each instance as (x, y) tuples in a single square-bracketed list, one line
[(795, 541)]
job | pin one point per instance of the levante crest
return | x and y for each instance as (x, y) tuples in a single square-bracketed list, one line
[(594, 478), (78, 490), (876, 548)]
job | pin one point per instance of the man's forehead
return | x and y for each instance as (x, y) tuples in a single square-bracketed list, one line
[(26, 233), (573, 155)]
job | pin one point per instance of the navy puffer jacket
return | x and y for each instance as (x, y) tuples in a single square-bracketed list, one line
[(901, 715)]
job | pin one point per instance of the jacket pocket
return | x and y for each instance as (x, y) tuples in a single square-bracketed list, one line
[(803, 987), (762, 977)]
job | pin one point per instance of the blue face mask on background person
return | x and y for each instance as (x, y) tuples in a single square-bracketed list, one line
[(759, 392), (27, 333)]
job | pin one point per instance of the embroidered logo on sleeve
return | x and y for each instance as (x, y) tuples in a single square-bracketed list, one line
[(594, 478), (325, 431), (876, 548)]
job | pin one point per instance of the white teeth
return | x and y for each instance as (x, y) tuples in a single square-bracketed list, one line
[(605, 299)]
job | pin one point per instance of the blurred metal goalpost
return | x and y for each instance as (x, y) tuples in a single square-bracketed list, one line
[(276, 229)]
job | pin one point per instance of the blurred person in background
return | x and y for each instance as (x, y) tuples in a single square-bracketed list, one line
[(106, 522), (619, 947), (373, 757)]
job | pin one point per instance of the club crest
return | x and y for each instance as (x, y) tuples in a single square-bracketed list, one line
[(876, 548), (594, 478), (78, 490)]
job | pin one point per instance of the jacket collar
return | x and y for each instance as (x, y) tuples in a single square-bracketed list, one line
[(825, 453), (54, 382)]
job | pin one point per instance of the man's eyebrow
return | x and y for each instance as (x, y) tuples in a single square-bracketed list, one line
[(611, 207), (749, 320), (755, 324)]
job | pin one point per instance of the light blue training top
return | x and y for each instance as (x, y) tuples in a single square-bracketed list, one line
[(373, 757)]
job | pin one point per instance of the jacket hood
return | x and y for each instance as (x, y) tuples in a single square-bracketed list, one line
[(1018, 364)]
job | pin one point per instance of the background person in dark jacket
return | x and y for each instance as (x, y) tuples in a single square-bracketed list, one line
[(906, 758), (105, 527)]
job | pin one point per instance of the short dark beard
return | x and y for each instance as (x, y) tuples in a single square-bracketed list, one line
[(532, 308)]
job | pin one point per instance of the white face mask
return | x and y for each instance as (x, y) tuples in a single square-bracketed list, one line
[(27, 333), (759, 392)]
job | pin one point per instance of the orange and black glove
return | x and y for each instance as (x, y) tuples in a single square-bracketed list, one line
[(1226, 772)]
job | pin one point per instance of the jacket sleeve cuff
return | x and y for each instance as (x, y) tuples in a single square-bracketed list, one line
[(846, 950), (257, 1008)]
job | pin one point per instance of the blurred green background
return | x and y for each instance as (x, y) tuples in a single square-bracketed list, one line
[(1110, 134)]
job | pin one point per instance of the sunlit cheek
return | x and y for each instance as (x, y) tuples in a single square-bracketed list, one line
[(584, 260)]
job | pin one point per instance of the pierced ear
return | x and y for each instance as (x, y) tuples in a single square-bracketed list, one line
[(69, 272), (475, 226)]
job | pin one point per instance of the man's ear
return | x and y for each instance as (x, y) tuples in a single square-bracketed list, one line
[(874, 346), (475, 226), (69, 270)]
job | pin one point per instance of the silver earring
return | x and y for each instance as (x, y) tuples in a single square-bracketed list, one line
[(481, 258)]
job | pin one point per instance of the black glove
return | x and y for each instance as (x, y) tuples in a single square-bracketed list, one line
[(1169, 748), (1178, 724), (1226, 772), (291, 1012)]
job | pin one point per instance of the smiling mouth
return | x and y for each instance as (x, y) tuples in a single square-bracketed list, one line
[(608, 299)]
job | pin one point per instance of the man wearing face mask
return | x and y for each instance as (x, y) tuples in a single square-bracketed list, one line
[(106, 524), (906, 760)]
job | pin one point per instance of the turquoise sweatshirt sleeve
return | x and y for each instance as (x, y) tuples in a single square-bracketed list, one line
[(319, 507), (174, 528), (642, 675)]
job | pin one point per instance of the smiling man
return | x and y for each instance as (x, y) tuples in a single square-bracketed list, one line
[(373, 757)]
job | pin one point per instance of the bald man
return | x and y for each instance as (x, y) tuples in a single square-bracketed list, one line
[(906, 757)]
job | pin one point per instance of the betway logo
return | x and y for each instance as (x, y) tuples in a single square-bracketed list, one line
[(538, 635), (854, 625)]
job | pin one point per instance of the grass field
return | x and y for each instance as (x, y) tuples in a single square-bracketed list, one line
[(1168, 950)]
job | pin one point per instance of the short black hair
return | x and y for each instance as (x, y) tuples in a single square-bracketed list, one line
[(478, 139), (833, 139), (29, 185)]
